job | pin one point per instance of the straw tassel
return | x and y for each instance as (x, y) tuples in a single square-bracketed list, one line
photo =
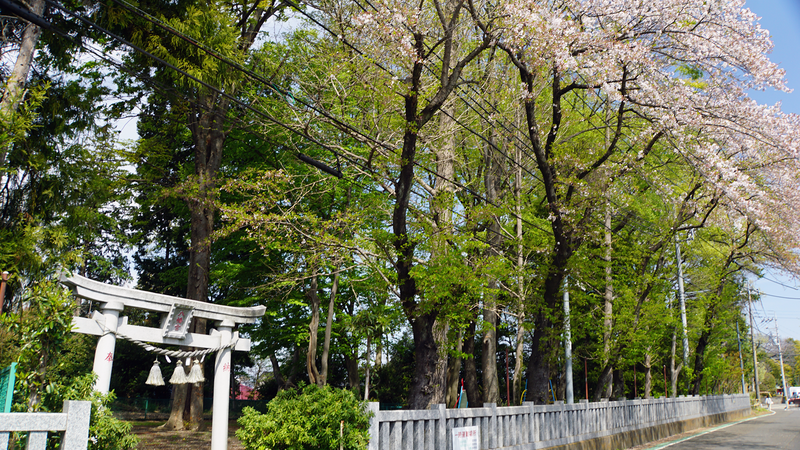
[(196, 374), (155, 378), (179, 375)]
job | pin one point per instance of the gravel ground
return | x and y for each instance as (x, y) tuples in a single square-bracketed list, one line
[(152, 437)]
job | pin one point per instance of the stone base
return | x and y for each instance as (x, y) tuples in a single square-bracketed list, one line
[(635, 438)]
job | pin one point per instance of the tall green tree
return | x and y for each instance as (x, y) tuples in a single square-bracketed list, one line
[(218, 35)]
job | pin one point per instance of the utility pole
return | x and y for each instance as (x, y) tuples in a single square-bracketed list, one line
[(682, 300), (683, 304), (741, 361), (567, 345), (780, 354), (753, 343)]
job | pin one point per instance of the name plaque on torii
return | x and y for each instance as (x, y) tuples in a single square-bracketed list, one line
[(177, 314)]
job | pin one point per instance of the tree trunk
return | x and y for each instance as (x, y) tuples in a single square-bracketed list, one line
[(366, 364), (175, 421), (491, 388), (441, 329), (378, 350), (15, 84), (648, 374), (196, 389), (442, 208), (379, 341), (276, 371), (517, 382), (353, 377), (699, 361), (539, 367), (474, 397), (608, 312), (199, 267), (619, 385), (705, 336), (674, 370), (293, 368), (454, 373), (539, 362), (425, 351), (429, 381), (208, 137), (428, 385), (565, 240), (313, 328), (206, 122), (351, 355), (326, 344), (492, 180), (604, 383), (520, 342)]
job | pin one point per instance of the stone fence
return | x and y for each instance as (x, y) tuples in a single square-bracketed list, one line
[(73, 421), (541, 426)]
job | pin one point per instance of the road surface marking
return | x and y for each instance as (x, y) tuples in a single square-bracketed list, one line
[(660, 446)]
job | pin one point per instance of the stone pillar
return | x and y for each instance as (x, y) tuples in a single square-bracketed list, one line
[(76, 436), (493, 428), (104, 354), (374, 425), (441, 427), (222, 387)]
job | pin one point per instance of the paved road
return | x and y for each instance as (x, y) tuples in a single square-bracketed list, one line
[(778, 431)]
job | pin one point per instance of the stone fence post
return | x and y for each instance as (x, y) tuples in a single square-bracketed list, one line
[(441, 426), (493, 427), (374, 425)]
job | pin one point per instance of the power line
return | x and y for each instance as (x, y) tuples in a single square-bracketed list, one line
[(778, 283), (236, 101), (780, 296), (292, 129), (270, 85)]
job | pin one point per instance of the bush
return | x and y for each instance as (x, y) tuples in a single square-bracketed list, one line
[(105, 431), (38, 337), (308, 417)]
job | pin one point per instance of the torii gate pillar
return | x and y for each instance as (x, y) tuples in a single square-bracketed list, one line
[(104, 355), (222, 388)]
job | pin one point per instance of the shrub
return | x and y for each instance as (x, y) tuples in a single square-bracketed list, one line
[(105, 431), (38, 337), (308, 417)]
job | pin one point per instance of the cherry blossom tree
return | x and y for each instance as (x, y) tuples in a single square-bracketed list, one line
[(673, 74), (608, 91)]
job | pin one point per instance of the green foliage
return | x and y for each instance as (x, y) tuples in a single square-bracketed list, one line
[(211, 26), (394, 378), (64, 189), (15, 125), (38, 337), (307, 418), (105, 432)]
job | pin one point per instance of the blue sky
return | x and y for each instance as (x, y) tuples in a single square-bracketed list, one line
[(780, 292)]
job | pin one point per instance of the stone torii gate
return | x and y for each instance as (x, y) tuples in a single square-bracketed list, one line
[(177, 314)]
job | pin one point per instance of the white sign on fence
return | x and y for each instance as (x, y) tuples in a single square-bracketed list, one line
[(466, 438)]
